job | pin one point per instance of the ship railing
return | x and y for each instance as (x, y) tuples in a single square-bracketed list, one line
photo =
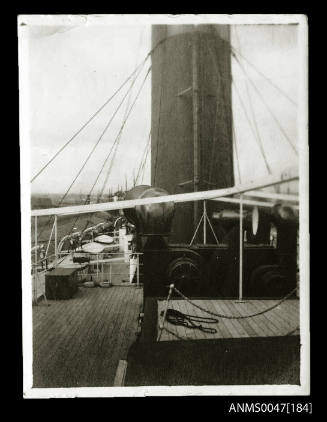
[(241, 191), (43, 264), (101, 266), (99, 269)]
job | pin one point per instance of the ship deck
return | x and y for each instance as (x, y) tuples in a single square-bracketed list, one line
[(261, 350), (83, 341), (79, 342), (279, 321)]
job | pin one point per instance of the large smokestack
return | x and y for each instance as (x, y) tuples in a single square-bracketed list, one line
[(191, 115)]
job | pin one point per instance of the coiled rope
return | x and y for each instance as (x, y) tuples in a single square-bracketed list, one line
[(190, 321), (173, 288)]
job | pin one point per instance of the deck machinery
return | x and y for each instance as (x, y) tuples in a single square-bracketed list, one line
[(212, 270)]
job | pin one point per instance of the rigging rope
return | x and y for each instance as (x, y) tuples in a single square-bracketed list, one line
[(85, 124), (235, 51), (91, 118), (236, 152), (119, 133), (117, 143), (143, 158), (269, 109), (146, 157), (93, 149), (257, 130), (158, 139), (99, 109), (250, 124), (88, 158), (122, 127), (109, 169)]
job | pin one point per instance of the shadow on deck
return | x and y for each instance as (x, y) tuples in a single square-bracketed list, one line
[(79, 342), (252, 351)]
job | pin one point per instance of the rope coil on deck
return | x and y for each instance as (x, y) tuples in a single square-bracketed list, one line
[(172, 287)]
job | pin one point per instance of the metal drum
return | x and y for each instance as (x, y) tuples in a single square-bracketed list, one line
[(150, 219), (185, 274), (130, 213)]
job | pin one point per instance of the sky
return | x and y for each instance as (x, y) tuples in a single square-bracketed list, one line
[(71, 68)]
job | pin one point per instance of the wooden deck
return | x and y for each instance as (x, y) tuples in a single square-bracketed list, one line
[(277, 322), (79, 342)]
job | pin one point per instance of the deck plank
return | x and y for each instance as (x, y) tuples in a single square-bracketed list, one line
[(284, 321), (260, 320), (109, 341), (73, 346), (128, 328), (257, 326), (240, 310), (276, 322), (198, 312), (294, 304), (238, 329), (289, 308), (284, 316), (118, 340), (180, 330), (268, 323), (60, 318), (131, 329), (95, 334), (194, 332), (165, 335), (188, 309), (227, 322), (66, 356), (222, 330), (269, 317), (56, 335), (122, 326), (103, 368), (175, 329)]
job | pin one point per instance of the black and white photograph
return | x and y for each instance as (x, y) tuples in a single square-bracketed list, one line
[(164, 205)]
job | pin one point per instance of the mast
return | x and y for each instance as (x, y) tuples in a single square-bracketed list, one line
[(196, 139), (193, 106)]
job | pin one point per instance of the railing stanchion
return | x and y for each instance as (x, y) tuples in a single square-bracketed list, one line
[(35, 257), (204, 223), (240, 295), (56, 240), (138, 271), (97, 269)]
